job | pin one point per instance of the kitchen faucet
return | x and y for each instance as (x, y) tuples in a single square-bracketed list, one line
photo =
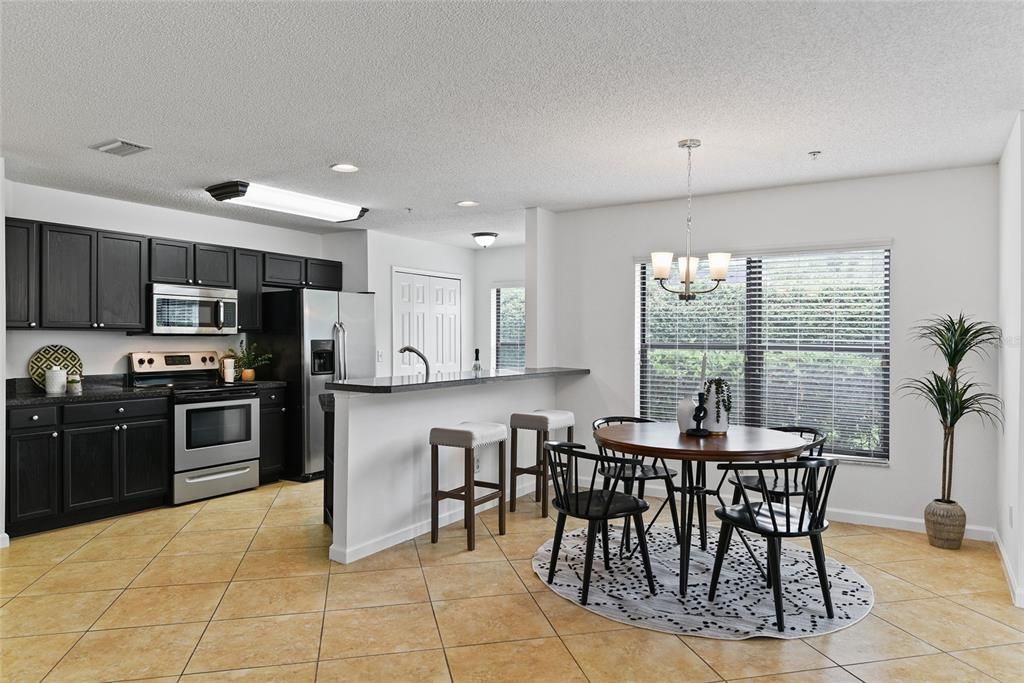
[(413, 349)]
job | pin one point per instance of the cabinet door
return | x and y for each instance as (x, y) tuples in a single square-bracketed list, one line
[(69, 277), (145, 465), (273, 431), (21, 241), (279, 269), (323, 274), (32, 476), (91, 466), (249, 283), (171, 261), (215, 266), (122, 269)]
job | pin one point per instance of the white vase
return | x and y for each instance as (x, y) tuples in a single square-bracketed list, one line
[(712, 423), (684, 414)]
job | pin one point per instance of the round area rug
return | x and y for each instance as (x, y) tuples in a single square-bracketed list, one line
[(743, 607)]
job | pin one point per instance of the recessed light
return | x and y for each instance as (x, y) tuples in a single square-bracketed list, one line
[(345, 168), (467, 203), (285, 201)]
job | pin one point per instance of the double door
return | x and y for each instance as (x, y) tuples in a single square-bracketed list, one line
[(427, 314)]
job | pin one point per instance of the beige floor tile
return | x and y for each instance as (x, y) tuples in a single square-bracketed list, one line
[(401, 556), (41, 614), (945, 577), (533, 583), (545, 659), (169, 570), (378, 631), (940, 668), (268, 597), (994, 604), (289, 516), (456, 530), (30, 658), (145, 525), (423, 666), (453, 551), (142, 547), (86, 530), (308, 496), (13, 580), (636, 654), (889, 588), (39, 550), (970, 550), (568, 618), (472, 580), (523, 546), (262, 641), (276, 564), (78, 577), (1003, 662), (756, 656), (875, 548), (129, 653), (947, 625), (250, 500), (837, 529), (162, 605), (209, 542), (519, 522), (219, 520), (474, 621), (832, 675), (278, 537), (869, 640), (375, 589), (287, 673)]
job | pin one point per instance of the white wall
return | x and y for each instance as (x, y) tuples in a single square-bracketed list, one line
[(542, 337), (1010, 492), (495, 267), (941, 224), (349, 247)]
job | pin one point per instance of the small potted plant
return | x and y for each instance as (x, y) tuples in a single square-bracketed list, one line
[(719, 404), (954, 396), (247, 359)]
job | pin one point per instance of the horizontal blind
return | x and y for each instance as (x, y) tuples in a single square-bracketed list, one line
[(803, 338), (510, 327)]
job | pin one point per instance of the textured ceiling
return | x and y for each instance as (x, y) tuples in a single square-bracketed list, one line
[(511, 104)]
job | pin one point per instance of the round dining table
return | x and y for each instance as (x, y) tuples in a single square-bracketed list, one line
[(663, 440)]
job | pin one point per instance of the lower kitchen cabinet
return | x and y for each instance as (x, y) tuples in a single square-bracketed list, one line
[(273, 434), (91, 456), (33, 476), (144, 456)]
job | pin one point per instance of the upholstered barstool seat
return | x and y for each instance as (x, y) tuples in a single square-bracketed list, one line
[(469, 434), (543, 422)]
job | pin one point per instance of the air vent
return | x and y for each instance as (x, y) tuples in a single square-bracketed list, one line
[(120, 148)]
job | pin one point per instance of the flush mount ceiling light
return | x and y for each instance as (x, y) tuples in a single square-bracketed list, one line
[(466, 203), (285, 201), (485, 239), (345, 168)]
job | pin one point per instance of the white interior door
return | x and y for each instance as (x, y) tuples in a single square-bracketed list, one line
[(427, 314), (445, 325)]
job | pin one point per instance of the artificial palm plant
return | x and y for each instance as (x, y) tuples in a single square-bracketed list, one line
[(954, 396)]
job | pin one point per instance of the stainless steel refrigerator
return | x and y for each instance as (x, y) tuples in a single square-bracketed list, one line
[(315, 337)]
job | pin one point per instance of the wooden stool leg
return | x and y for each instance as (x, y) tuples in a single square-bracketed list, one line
[(537, 496), (513, 492), (502, 486), (433, 494), (470, 494), (542, 458)]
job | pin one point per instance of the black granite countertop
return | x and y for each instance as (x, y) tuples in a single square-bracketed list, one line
[(21, 392), (392, 385)]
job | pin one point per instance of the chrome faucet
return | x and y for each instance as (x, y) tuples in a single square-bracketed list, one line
[(413, 349)]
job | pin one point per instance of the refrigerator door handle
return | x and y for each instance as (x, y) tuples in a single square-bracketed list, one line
[(341, 352)]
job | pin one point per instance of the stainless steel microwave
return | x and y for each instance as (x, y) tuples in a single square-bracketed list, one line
[(176, 309)]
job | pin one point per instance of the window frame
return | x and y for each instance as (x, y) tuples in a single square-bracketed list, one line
[(497, 342)]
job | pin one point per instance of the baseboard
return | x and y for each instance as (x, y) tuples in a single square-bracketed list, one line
[(5, 540), (977, 533), (1016, 589)]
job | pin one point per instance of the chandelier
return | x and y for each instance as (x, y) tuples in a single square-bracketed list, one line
[(718, 262)]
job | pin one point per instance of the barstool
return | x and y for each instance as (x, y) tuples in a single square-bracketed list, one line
[(468, 436), (542, 422)]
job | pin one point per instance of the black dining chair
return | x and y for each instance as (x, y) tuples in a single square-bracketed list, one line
[(815, 446), (775, 517), (595, 504), (644, 470)]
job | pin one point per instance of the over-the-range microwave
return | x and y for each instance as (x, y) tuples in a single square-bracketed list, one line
[(176, 309)]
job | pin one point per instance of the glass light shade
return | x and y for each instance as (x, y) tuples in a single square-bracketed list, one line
[(485, 239), (691, 274), (285, 201), (718, 264), (662, 264)]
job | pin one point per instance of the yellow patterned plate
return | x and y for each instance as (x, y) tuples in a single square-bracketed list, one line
[(48, 356)]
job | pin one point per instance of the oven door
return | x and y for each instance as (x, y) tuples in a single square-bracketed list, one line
[(216, 433), (178, 314)]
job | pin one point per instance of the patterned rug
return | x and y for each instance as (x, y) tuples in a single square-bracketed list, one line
[(743, 607)]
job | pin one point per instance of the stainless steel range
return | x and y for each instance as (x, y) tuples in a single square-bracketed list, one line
[(216, 424)]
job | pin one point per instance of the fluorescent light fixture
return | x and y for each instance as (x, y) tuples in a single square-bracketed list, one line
[(485, 239), (285, 201), (467, 203), (345, 168)]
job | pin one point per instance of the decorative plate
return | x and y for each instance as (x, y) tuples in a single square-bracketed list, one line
[(48, 356)]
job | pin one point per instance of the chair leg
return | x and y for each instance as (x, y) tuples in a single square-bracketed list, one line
[(736, 494), (819, 562), (513, 466), (684, 547), (641, 540), (542, 458), (775, 562), (671, 490), (502, 488), (604, 544), (433, 494), (627, 488), (556, 546), (470, 493), (724, 538), (540, 468), (702, 502), (588, 563)]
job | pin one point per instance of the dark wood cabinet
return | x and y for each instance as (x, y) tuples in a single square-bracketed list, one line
[(144, 457), (214, 266), (69, 277), (171, 261), (91, 466), (21, 241), (33, 481), (321, 274), (273, 434), (283, 270), (249, 283), (122, 265)]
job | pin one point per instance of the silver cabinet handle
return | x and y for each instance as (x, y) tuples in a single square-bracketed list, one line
[(117, 428), (95, 325), (120, 410), (102, 325), (190, 280), (199, 282), (283, 409), (273, 396), (54, 435), (124, 427), (217, 475), (35, 418), (31, 324)]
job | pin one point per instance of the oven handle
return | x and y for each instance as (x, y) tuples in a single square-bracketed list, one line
[(239, 398), (218, 475)]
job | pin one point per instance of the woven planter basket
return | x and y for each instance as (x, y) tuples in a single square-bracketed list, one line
[(945, 522)]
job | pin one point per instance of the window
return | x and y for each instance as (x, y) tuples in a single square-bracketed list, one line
[(510, 327), (803, 339)]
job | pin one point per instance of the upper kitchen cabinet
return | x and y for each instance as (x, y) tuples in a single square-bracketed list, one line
[(286, 271), (22, 263), (69, 280), (249, 283), (322, 274), (214, 266), (121, 281), (171, 261)]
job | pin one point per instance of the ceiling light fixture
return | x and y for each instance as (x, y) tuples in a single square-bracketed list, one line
[(814, 154), (485, 239), (465, 203), (662, 260), (344, 168), (285, 201)]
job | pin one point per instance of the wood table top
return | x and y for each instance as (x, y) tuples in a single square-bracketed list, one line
[(664, 440)]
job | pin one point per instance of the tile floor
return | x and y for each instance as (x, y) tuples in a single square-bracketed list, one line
[(240, 588)]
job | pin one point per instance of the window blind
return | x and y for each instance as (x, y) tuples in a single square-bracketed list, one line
[(802, 338), (510, 327)]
